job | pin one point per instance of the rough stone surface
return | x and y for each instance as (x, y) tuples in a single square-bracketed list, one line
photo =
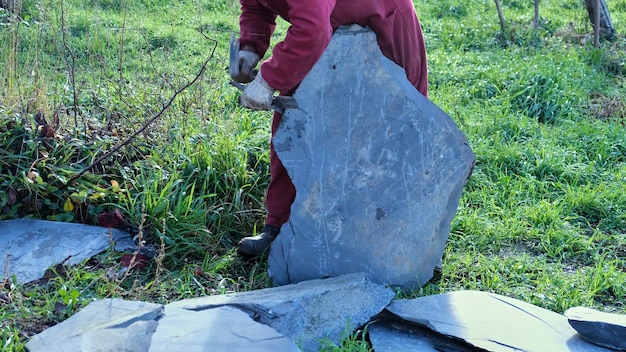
[(287, 318), (601, 328), (308, 311), (32, 246), (379, 170), (218, 329), (386, 336), (105, 325), (493, 322)]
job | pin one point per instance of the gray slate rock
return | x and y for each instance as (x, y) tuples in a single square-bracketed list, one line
[(493, 322), (105, 325), (309, 311), (386, 336), (601, 328), (32, 246), (218, 329), (306, 312), (287, 318), (116, 325), (379, 170)]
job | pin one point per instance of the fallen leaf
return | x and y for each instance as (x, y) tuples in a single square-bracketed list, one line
[(46, 131), (68, 206), (110, 219), (138, 263), (40, 119), (60, 308), (199, 272), (12, 196), (33, 175)]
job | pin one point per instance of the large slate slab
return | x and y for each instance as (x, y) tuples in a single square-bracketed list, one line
[(219, 329), (119, 325), (492, 322), (604, 329), (306, 312), (287, 318), (105, 325), (379, 170), (32, 246)]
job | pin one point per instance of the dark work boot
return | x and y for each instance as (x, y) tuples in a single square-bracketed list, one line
[(256, 245)]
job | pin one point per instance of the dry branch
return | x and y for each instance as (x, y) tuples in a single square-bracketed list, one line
[(149, 121)]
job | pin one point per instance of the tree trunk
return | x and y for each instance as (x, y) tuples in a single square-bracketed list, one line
[(499, 8), (605, 26), (536, 21)]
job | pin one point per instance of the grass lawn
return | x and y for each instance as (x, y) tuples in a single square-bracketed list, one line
[(542, 219)]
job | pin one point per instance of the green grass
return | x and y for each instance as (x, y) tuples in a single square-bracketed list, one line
[(543, 218)]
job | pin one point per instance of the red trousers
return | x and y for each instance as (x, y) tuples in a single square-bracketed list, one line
[(400, 39)]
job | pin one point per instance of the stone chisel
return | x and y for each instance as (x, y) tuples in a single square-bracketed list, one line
[(279, 103)]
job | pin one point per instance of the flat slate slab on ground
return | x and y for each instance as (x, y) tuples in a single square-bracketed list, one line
[(32, 246), (308, 311), (492, 322), (104, 325), (298, 317), (287, 318), (217, 329), (378, 168)]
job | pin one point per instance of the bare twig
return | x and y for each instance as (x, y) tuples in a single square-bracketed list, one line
[(148, 122), (71, 66), (159, 258), (121, 61), (596, 27), (7, 266)]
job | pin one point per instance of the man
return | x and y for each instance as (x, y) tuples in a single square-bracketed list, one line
[(312, 22)]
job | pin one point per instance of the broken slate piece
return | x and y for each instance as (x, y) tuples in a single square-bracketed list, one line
[(105, 325), (378, 168), (386, 336), (306, 312), (32, 246), (492, 322), (601, 328), (218, 329)]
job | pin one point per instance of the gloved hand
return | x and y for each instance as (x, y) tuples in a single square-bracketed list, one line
[(258, 94), (244, 71)]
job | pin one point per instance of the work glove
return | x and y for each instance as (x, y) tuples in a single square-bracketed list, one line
[(257, 95), (244, 72)]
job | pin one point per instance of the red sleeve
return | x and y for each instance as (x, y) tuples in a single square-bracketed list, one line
[(305, 42), (256, 25)]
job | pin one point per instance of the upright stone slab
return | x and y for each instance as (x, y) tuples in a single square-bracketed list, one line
[(379, 170)]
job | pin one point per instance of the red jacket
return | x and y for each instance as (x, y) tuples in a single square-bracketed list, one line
[(312, 25)]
